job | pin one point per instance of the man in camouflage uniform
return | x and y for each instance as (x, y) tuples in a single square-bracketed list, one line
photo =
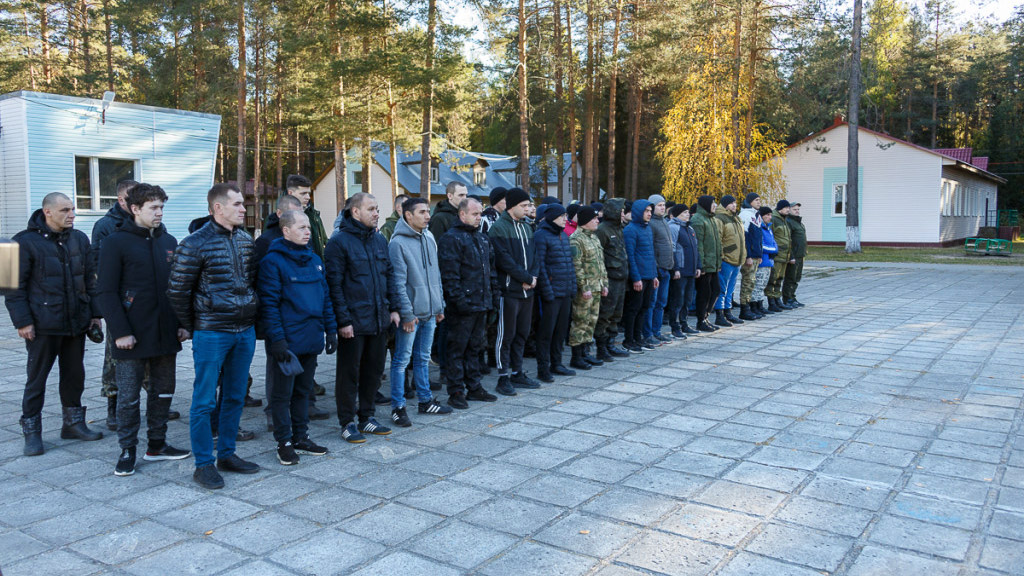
[(591, 285), (613, 245), (782, 258)]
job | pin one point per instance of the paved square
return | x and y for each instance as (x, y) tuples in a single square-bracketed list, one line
[(876, 431)]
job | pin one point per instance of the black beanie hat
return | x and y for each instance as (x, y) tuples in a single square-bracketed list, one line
[(727, 199), (693, 209), (750, 198), (550, 200), (553, 211), (515, 197), (572, 210), (782, 204), (764, 210), (585, 214), (497, 195), (597, 206), (705, 202)]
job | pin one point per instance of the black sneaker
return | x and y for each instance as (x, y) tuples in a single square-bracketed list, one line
[(678, 334), (434, 407), (371, 426), (561, 370), (251, 402), (208, 477), (351, 434), (632, 348), (480, 395), (286, 454), (521, 380), (307, 446), (235, 464), (505, 388), (458, 400), (126, 463), (646, 345), (663, 338), (652, 341), (318, 390), (166, 452), (400, 418), (545, 376)]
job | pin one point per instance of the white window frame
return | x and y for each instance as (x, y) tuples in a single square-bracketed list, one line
[(832, 200), (944, 198), (435, 174), (519, 179), (480, 177), (94, 180)]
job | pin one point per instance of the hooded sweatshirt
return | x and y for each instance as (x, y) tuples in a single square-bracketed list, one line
[(609, 234), (417, 273), (709, 241), (640, 245), (734, 246)]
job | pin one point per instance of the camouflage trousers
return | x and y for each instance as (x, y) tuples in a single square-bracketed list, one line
[(747, 282), (108, 385), (774, 289), (611, 309), (584, 318), (760, 282)]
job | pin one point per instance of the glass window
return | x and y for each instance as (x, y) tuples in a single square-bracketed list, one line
[(83, 184), (357, 177), (434, 174), (480, 177), (839, 199), (111, 172), (96, 181)]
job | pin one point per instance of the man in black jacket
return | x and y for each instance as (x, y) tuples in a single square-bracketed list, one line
[(212, 291), (272, 231), (52, 309), (132, 294), (366, 304), (104, 227), (609, 233), (470, 292)]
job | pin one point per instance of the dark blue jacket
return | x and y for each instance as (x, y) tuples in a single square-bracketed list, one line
[(769, 248), (295, 304), (556, 277), (754, 237), (686, 242), (360, 277), (640, 245)]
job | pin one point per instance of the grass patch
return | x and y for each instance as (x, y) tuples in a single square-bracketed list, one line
[(953, 255)]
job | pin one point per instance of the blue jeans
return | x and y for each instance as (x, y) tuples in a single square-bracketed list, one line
[(415, 347), (213, 353), (727, 284), (659, 299)]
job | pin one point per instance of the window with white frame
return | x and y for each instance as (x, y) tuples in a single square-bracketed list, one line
[(839, 199), (96, 181), (435, 174), (944, 197), (479, 176)]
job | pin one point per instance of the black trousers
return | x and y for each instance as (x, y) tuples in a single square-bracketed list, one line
[(634, 311), (552, 329), (466, 335), (610, 314), (357, 379), (289, 399), (680, 290), (514, 315), (130, 377), (68, 352), (707, 293)]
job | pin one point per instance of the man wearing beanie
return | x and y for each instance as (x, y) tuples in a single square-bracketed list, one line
[(734, 255), (709, 247), (665, 260), (490, 215), (681, 288), (748, 216), (782, 238), (798, 249), (616, 264), (516, 268), (570, 217), (591, 287), (556, 284), (764, 266), (643, 276), (599, 209)]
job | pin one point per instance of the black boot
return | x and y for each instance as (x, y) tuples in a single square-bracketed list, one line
[(730, 317), (782, 304), (685, 327), (588, 358), (544, 373), (773, 305), (763, 310), (577, 361), (755, 310), (33, 430), (615, 350), (602, 351), (720, 319), (112, 413), (74, 425), (745, 312), (704, 326)]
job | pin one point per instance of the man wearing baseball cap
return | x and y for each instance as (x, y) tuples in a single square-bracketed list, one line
[(774, 289)]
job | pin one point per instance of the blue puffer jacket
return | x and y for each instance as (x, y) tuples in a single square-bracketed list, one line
[(754, 238), (557, 275), (640, 245), (295, 304), (769, 248)]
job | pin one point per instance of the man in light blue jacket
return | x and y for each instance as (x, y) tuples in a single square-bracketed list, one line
[(413, 254)]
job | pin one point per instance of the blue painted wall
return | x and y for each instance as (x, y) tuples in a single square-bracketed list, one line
[(833, 228)]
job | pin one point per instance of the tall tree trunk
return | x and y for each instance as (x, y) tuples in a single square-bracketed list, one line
[(853, 142), (428, 103), (559, 103), (735, 99), (84, 27), (935, 84), (751, 88), (108, 44), (340, 173), (589, 154), (278, 128), (524, 103), (574, 160), (631, 98), (240, 96), (612, 87), (635, 172), (29, 53), (257, 110), (44, 40)]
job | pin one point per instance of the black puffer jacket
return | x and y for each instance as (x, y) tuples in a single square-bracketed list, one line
[(270, 233), (132, 290), (104, 227), (609, 233), (557, 275), (56, 281), (359, 274), (213, 276), (467, 270), (444, 217)]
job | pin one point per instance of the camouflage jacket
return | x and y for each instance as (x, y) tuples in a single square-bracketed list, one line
[(588, 259)]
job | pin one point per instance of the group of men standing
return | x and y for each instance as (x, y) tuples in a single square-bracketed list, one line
[(446, 285)]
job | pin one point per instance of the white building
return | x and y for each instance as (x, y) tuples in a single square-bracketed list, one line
[(908, 195)]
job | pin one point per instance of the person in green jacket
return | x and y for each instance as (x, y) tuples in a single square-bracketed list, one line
[(709, 246), (389, 225), (299, 186), (798, 249), (734, 254), (774, 289)]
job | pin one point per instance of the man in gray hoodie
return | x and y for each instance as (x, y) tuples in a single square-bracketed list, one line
[(665, 259), (417, 273)]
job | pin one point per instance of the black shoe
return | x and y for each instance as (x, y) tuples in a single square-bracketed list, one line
[(165, 452), (235, 464), (244, 435), (400, 417), (480, 395), (561, 370), (32, 428), (773, 305), (602, 351), (588, 358), (208, 477), (545, 376), (112, 413), (521, 380), (307, 446), (173, 415), (317, 413), (797, 303), (687, 330), (318, 390), (74, 427), (126, 463), (577, 361), (286, 454), (731, 317), (720, 319), (434, 407), (505, 387), (746, 313), (648, 345), (251, 402), (380, 399), (632, 348), (371, 426), (458, 401), (703, 326), (678, 334), (663, 338), (783, 305), (617, 352)]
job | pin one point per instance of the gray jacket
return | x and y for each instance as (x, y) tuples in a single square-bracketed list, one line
[(663, 244), (417, 273)]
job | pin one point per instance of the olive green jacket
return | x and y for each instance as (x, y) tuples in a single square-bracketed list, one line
[(709, 240), (734, 243)]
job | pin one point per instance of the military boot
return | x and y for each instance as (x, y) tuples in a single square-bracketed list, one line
[(577, 361), (588, 358), (745, 312), (74, 427), (32, 428)]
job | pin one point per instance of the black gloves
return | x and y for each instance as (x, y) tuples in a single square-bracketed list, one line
[(332, 343), (279, 350)]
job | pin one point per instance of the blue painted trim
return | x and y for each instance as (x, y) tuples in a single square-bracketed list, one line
[(833, 228)]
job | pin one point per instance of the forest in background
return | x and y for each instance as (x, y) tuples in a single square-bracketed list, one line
[(647, 96)]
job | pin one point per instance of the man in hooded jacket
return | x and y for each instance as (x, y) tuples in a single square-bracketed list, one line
[(643, 274), (709, 247), (782, 259), (734, 255), (798, 247), (664, 257), (616, 263)]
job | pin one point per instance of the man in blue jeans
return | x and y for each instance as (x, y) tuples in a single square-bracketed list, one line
[(417, 273), (665, 261), (212, 291)]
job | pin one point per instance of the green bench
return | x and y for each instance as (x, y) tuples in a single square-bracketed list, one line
[(988, 246)]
